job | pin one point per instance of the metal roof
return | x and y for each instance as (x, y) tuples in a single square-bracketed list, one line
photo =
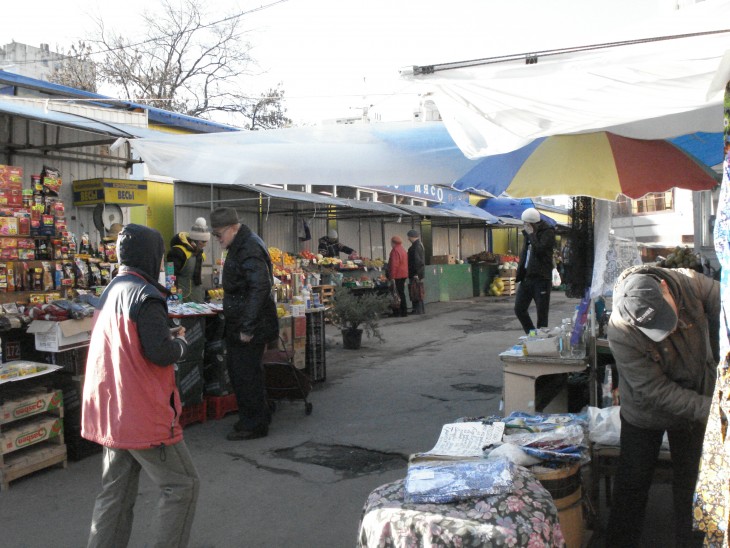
[(155, 115), (68, 120)]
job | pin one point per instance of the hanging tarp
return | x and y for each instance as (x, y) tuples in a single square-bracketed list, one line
[(664, 79), (398, 153)]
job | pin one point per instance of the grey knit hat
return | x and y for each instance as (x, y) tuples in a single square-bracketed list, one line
[(223, 216), (412, 233), (199, 231)]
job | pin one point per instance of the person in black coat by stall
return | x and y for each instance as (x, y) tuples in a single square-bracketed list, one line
[(251, 319), (535, 270), (416, 271)]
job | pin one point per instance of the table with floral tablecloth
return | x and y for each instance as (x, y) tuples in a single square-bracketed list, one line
[(526, 516)]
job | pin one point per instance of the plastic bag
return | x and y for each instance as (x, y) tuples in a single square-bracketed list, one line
[(448, 481), (556, 278), (605, 425), (394, 297)]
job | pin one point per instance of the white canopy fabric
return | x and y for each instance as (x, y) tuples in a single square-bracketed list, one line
[(645, 89), (397, 153)]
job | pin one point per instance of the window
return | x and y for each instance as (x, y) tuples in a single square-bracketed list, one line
[(654, 202)]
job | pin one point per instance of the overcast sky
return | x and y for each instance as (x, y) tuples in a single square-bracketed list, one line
[(334, 56)]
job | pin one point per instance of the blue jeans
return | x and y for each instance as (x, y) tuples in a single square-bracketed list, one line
[(529, 290), (639, 453), (247, 378)]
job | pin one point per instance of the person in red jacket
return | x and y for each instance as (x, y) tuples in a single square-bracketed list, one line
[(398, 272), (131, 403)]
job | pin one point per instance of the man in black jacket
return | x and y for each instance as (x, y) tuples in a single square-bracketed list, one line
[(535, 270), (251, 319), (416, 271)]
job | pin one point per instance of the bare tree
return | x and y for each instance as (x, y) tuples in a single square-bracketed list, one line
[(183, 63), (77, 69), (266, 112)]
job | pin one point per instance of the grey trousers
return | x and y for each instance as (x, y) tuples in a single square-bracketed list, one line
[(171, 469)]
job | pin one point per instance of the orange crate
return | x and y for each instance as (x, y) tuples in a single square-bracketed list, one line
[(220, 406), (193, 413)]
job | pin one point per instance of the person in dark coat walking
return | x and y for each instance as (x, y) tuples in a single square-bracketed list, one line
[(251, 319), (416, 271), (535, 270)]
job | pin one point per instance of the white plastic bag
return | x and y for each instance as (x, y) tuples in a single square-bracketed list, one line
[(604, 425), (556, 278)]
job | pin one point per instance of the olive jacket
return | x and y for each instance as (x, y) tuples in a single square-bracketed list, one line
[(669, 384)]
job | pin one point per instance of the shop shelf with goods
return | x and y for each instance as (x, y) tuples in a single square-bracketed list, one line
[(31, 422)]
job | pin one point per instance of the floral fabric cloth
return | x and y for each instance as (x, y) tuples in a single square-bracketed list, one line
[(712, 496), (527, 516)]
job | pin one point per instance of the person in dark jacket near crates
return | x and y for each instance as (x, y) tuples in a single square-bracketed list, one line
[(251, 319), (664, 336), (416, 271), (535, 270), (131, 404)]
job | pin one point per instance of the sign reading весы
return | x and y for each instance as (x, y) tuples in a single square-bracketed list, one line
[(110, 191)]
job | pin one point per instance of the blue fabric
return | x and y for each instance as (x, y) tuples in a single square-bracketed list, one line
[(511, 207), (468, 208)]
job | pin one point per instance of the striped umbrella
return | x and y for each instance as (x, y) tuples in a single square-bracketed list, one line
[(601, 165)]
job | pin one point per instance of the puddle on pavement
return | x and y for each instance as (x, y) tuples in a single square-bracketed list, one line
[(475, 387), (349, 460)]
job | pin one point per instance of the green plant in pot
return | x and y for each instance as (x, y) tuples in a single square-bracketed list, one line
[(355, 314)]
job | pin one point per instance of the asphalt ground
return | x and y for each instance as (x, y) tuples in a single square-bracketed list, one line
[(305, 484)]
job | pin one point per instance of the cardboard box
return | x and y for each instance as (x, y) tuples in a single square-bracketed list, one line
[(300, 327), (443, 259), (60, 336), (32, 404), (30, 433)]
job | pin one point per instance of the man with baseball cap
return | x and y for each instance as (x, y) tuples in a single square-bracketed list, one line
[(663, 333)]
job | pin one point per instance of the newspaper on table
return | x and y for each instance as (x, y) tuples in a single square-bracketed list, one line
[(463, 440)]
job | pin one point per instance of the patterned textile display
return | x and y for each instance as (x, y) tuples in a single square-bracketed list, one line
[(526, 516), (712, 496)]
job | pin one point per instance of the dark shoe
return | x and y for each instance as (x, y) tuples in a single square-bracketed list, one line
[(242, 435)]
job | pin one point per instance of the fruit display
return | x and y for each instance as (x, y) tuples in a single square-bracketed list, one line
[(508, 266), (373, 263), (496, 287), (281, 258), (682, 257), (307, 255), (482, 257), (329, 261)]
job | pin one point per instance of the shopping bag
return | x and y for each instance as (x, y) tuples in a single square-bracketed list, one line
[(394, 297), (556, 278), (416, 290)]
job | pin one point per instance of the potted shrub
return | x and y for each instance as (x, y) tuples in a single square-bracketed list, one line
[(355, 314)]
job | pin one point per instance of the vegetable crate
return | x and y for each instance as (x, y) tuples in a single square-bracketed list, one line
[(220, 406), (510, 286), (196, 412)]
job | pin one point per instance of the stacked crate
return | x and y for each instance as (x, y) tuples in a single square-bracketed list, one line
[(31, 433), (315, 358), (71, 381)]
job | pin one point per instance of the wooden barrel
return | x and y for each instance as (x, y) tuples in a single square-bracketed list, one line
[(565, 487)]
